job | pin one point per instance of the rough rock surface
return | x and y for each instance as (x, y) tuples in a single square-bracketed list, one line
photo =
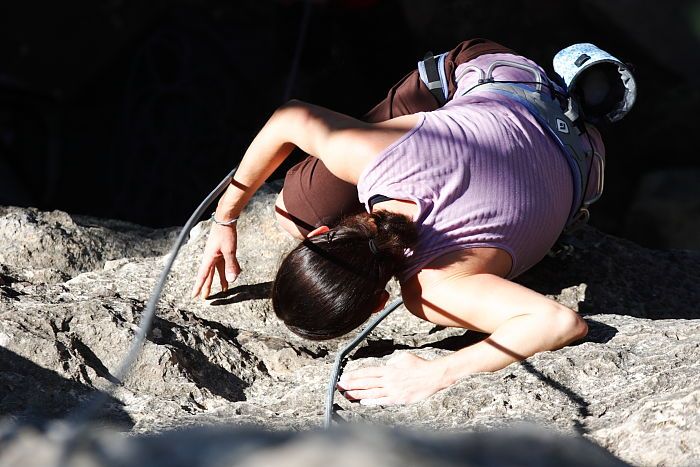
[(630, 386), (54, 246)]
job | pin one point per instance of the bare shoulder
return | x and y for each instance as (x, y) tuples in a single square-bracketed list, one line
[(353, 147), (385, 133), (467, 261), (458, 264)]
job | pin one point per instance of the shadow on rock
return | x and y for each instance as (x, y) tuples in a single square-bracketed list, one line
[(242, 293), (598, 333), (622, 277), (198, 366), (581, 403), (378, 348), (32, 394)]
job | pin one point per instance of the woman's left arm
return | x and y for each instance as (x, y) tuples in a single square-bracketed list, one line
[(520, 322)]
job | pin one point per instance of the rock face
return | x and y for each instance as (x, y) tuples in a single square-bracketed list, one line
[(54, 246), (630, 386)]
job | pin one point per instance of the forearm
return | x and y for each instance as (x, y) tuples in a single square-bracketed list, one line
[(521, 322), (517, 339)]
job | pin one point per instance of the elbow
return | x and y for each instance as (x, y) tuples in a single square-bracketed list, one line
[(292, 103), (299, 118)]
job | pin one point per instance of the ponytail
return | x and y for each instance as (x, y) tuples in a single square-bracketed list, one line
[(395, 233), (387, 235)]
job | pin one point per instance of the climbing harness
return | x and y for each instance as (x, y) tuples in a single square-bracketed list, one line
[(600, 83), (565, 131), (559, 115), (340, 358), (432, 72)]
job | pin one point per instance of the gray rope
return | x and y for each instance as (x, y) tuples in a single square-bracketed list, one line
[(337, 365), (78, 422), (84, 414)]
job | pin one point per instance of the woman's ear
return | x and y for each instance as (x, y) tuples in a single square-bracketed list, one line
[(321, 230)]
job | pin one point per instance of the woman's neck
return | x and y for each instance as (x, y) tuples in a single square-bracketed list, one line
[(398, 206)]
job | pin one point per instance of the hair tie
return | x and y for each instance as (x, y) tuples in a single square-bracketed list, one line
[(373, 247)]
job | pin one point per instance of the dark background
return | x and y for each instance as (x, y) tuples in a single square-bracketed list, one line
[(135, 109)]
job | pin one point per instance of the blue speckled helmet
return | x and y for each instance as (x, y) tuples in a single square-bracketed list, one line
[(602, 84)]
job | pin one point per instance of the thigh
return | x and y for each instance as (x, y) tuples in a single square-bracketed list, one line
[(408, 96), (411, 95), (313, 196)]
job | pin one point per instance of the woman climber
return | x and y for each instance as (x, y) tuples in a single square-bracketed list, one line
[(454, 201)]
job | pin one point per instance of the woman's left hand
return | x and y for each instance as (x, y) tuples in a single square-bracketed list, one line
[(405, 379)]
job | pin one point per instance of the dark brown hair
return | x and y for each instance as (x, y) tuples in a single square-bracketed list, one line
[(331, 283)]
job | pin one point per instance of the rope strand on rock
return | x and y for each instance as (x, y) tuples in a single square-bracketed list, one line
[(340, 357), (78, 422)]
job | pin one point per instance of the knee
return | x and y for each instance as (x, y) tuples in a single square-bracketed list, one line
[(284, 219), (569, 325)]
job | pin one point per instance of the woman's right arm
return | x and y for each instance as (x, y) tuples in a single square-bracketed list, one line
[(344, 144)]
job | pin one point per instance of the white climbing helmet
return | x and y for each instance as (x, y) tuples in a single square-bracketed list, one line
[(602, 84)]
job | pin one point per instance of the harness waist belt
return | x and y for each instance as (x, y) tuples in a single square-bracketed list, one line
[(560, 124)]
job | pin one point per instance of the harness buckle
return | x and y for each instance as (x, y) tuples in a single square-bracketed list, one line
[(535, 73), (561, 250), (579, 219)]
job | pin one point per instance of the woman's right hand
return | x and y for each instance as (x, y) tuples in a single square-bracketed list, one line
[(220, 257)]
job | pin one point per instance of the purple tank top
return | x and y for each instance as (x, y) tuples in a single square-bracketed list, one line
[(482, 172)]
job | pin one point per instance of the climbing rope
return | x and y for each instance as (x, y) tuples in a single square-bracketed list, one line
[(76, 428), (339, 359), (91, 408), (78, 422)]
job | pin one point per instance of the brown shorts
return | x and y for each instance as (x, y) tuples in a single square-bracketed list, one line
[(314, 196)]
